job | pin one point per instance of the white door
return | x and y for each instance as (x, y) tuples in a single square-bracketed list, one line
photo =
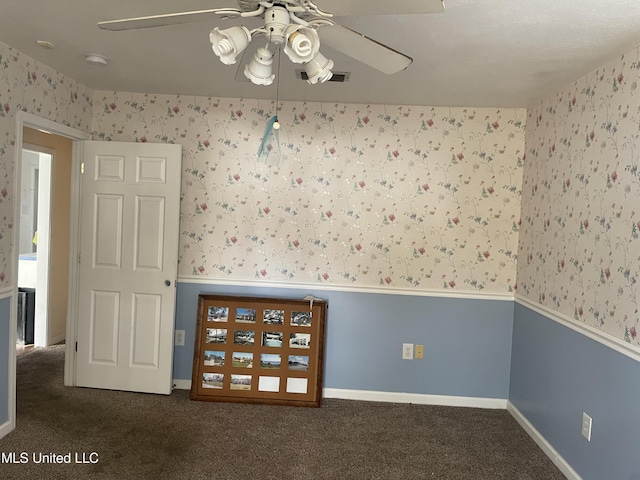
[(128, 266)]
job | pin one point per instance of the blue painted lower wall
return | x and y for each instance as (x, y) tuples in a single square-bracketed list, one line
[(5, 349), (473, 348), (467, 341), (558, 373)]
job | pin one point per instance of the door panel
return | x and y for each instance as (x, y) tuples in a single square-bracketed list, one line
[(146, 330), (151, 170), (149, 243), (107, 249), (103, 324), (108, 168), (129, 249)]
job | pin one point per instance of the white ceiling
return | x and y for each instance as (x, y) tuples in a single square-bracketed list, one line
[(497, 53)]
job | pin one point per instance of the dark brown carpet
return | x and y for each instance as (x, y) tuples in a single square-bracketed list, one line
[(141, 436)]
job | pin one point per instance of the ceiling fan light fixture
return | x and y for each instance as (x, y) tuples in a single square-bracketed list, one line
[(296, 26), (259, 70), (319, 69), (228, 44), (302, 44)]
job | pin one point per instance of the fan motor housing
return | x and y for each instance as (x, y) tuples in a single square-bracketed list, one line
[(276, 20)]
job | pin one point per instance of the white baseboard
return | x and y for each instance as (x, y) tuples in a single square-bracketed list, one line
[(181, 384), (6, 428), (417, 398), (57, 339), (542, 442), (395, 397)]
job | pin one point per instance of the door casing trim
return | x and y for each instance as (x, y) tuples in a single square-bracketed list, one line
[(25, 119)]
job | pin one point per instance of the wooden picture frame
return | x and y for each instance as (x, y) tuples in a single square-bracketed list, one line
[(259, 350)]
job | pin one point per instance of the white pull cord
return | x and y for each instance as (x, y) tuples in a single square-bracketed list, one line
[(311, 299)]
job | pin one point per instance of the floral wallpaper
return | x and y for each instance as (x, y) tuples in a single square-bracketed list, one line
[(579, 251), (30, 86), (384, 196), (388, 196), (397, 197)]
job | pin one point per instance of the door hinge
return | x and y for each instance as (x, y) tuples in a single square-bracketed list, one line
[(82, 167)]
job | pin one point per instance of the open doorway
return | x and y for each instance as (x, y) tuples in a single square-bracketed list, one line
[(34, 209), (43, 247), (41, 125)]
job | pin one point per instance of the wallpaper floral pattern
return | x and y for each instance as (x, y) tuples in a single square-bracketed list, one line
[(391, 196), (30, 86), (388, 196), (579, 250), (369, 196)]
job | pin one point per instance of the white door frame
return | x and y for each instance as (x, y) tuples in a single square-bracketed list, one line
[(24, 119)]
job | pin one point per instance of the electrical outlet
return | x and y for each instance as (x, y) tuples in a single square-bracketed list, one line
[(407, 351), (586, 426), (179, 338), (419, 351)]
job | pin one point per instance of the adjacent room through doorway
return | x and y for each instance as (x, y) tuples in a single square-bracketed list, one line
[(43, 251)]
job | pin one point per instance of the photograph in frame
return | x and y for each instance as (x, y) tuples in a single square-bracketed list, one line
[(212, 380), (214, 358), (300, 340), (240, 382), (301, 319), (273, 317), (244, 337), (216, 335), (299, 363), (242, 360), (272, 339), (245, 315), (218, 314), (270, 360)]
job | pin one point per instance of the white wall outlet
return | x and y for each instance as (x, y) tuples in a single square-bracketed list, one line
[(586, 426), (179, 338), (407, 351)]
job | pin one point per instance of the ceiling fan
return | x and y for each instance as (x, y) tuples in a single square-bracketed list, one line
[(298, 27)]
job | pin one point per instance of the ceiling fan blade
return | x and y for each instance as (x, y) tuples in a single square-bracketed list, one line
[(359, 8), (364, 49), (159, 20)]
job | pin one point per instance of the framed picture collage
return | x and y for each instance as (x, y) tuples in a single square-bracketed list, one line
[(259, 350)]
